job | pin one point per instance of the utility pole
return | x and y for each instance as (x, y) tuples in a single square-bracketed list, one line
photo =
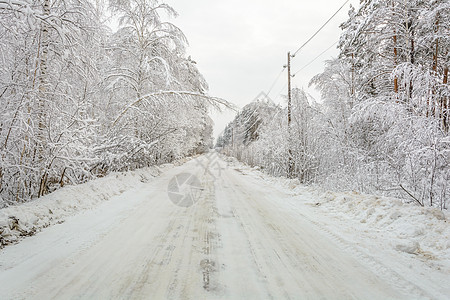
[(290, 166)]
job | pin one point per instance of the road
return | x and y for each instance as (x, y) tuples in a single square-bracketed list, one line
[(236, 241)]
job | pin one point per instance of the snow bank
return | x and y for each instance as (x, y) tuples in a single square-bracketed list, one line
[(401, 225), (26, 219), (408, 227)]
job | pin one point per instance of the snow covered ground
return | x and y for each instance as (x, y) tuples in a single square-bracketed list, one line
[(398, 240), (26, 219), (247, 236)]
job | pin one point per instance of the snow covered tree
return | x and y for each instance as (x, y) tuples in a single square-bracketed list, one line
[(383, 123), (395, 115), (79, 101)]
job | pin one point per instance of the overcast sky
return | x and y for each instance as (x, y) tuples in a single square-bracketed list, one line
[(241, 45)]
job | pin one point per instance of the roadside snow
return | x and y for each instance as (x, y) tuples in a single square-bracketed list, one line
[(413, 229), (17, 222), (372, 223)]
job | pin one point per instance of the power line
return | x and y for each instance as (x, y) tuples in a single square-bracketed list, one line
[(308, 64), (279, 93), (301, 47), (305, 66), (275, 82)]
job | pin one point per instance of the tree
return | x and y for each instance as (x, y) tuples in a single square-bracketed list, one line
[(382, 126), (80, 100)]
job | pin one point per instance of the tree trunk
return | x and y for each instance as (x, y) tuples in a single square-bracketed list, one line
[(412, 61), (42, 98), (395, 65), (435, 68), (395, 59), (444, 104)]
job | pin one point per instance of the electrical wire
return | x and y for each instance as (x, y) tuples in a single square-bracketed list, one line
[(308, 64), (279, 93), (275, 82), (301, 47), (305, 66)]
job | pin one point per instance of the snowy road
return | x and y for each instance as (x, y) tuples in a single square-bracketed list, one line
[(238, 241)]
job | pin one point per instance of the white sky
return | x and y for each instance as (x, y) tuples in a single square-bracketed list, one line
[(241, 45)]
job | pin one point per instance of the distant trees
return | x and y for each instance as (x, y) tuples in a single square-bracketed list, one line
[(79, 101), (383, 124)]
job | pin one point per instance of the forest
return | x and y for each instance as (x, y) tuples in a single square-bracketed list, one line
[(80, 100), (382, 124)]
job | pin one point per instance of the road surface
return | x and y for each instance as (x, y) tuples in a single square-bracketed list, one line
[(236, 241)]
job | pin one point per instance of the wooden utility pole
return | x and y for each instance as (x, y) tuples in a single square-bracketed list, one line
[(290, 166)]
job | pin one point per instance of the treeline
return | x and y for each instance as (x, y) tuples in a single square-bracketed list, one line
[(79, 100), (383, 124)]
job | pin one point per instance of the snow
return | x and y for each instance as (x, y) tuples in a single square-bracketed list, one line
[(424, 226), (28, 218), (248, 236), (422, 229), (377, 228)]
